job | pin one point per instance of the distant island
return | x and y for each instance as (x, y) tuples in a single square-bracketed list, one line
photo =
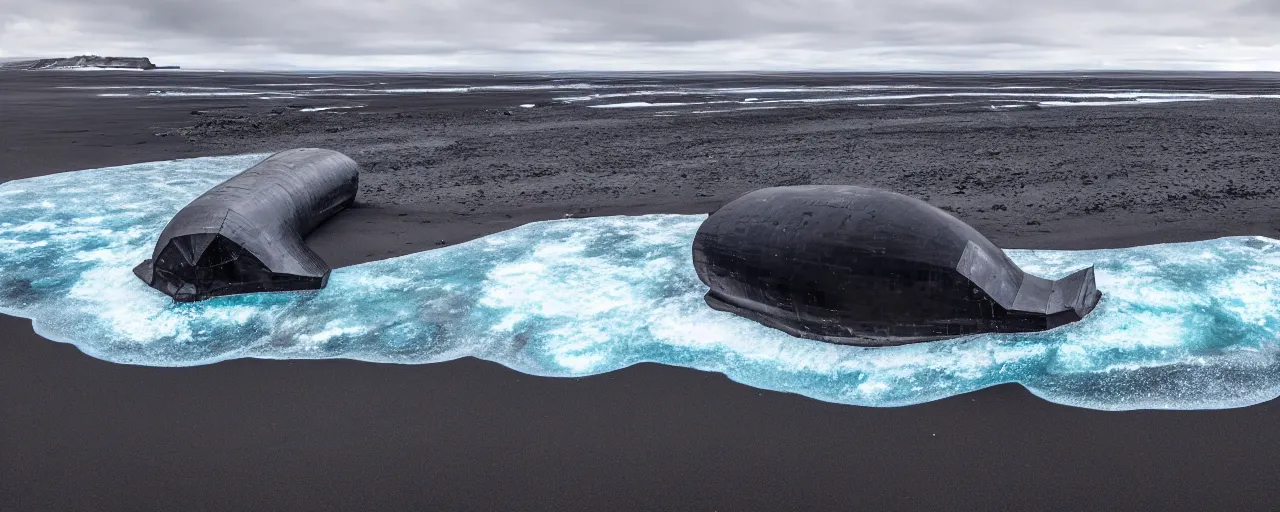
[(83, 61)]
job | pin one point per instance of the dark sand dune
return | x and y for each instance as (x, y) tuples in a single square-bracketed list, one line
[(77, 433)]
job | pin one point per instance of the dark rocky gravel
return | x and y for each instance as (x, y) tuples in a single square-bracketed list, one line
[(1079, 177)]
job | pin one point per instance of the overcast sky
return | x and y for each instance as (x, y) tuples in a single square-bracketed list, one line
[(655, 34)]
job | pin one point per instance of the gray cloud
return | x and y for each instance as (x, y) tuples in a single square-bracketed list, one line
[(1268, 7), (655, 34)]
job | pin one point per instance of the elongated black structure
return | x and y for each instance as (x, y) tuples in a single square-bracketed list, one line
[(860, 266), (246, 234)]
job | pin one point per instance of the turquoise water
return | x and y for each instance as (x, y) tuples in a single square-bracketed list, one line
[(1180, 326)]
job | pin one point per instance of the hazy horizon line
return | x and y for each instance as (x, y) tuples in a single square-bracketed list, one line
[(995, 71)]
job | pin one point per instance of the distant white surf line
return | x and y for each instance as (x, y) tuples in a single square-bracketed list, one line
[(313, 84), (154, 87), (344, 94), (203, 94), (733, 110), (594, 97), (114, 95), (544, 87), (841, 88), (492, 88), (1114, 103), (934, 104), (693, 92), (320, 109), (646, 104), (782, 90), (1133, 96), (430, 90), (643, 104), (512, 88)]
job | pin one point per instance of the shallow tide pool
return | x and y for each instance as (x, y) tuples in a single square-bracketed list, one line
[(1180, 326)]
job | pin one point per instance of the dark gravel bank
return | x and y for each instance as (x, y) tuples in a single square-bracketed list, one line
[(1067, 177)]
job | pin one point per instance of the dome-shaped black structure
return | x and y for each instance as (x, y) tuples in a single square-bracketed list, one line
[(860, 266), (246, 234)]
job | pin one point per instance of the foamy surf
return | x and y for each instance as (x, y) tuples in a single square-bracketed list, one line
[(1180, 326)]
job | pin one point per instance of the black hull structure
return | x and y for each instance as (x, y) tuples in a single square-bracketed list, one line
[(246, 234), (859, 266)]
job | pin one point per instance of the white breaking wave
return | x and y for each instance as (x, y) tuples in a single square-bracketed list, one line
[(653, 94), (1132, 97), (593, 97), (433, 90), (206, 94), (321, 109), (493, 88), (1114, 103), (153, 87), (541, 87), (937, 104), (782, 90), (644, 104)]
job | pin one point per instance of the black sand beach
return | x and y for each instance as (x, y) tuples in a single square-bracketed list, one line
[(78, 433)]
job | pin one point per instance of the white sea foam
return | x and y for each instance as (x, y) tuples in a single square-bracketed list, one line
[(1135, 96), (162, 93), (153, 87), (344, 94), (1113, 103), (602, 96), (1180, 326), (321, 109), (539, 87), (830, 94), (643, 104), (934, 104), (493, 88), (427, 90)]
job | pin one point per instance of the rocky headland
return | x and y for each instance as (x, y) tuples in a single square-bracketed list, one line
[(83, 61)]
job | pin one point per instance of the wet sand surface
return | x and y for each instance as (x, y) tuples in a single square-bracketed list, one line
[(77, 433)]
